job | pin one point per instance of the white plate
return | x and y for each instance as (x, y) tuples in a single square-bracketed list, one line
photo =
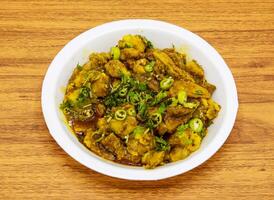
[(162, 35)]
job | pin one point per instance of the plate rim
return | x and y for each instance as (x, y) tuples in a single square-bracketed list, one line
[(110, 169)]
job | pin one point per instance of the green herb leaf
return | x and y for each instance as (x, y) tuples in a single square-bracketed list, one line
[(182, 128), (148, 43), (162, 108), (84, 95), (65, 104), (142, 86), (79, 67), (142, 110), (159, 97), (66, 107), (133, 97), (161, 144), (164, 105), (150, 124)]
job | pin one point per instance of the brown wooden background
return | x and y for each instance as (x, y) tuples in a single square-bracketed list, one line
[(33, 166)]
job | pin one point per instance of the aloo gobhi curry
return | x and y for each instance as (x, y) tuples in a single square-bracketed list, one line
[(139, 105)]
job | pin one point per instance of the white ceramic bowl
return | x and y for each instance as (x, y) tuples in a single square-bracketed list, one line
[(162, 35)]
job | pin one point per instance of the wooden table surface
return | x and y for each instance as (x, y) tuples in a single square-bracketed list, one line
[(33, 166)]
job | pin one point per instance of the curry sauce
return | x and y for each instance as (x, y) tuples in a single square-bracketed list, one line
[(139, 105)]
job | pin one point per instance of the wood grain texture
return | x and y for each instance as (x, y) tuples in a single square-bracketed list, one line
[(33, 166)]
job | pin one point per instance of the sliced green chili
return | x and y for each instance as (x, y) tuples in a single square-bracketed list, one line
[(156, 119), (149, 66), (131, 111), (66, 106), (120, 114), (182, 96), (190, 105), (115, 53), (196, 125), (166, 83), (133, 97), (174, 101), (123, 92), (99, 137)]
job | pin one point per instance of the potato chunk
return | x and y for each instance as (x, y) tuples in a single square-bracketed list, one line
[(97, 61), (100, 87), (91, 143), (129, 53), (114, 145), (153, 158), (115, 68), (213, 109), (192, 89), (140, 142), (176, 116), (134, 41), (178, 153), (138, 66), (170, 66), (124, 127), (194, 68)]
